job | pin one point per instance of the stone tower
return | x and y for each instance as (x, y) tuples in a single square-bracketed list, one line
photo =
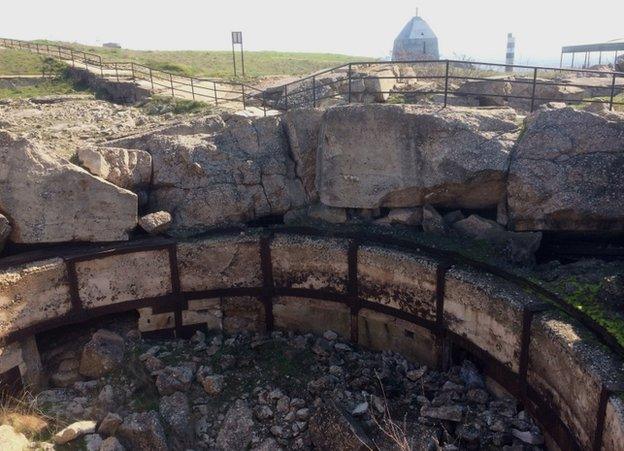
[(416, 41)]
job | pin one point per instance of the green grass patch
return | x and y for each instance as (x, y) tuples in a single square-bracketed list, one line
[(162, 105), (586, 298), (44, 88), (209, 63)]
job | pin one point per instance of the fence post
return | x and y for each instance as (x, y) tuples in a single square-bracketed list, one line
[(612, 93), (171, 81), (101, 68), (446, 80), (264, 102), (151, 78), (59, 52), (116, 71), (533, 90), (132, 69), (314, 92), (214, 89), (244, 103), (37, 47), (349, 74), (72, 58), (192, 89), (286, 97)]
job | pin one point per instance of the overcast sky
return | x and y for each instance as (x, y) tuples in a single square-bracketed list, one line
[(476, 28)]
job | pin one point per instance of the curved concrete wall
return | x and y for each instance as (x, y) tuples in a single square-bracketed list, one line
[(379, 296)]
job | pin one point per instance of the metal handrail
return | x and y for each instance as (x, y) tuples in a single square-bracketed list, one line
[(293, 91)]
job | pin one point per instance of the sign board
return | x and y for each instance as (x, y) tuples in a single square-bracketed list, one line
[(237, 37)]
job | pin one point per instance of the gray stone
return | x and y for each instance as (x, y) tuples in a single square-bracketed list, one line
[(51, 200), (93, 442), (331, 428), (5, 230), (156, 223), (405, 216), (234, 175), (126, 168), (103, 353), (452, 412), (174, 378), (324, 213), (529, 437), (74, 431), (302, 130), (111, 444), (454, 158), (143, 432), (236, 429), (109, 424), (567, 173), (175, 411), (432, 221)]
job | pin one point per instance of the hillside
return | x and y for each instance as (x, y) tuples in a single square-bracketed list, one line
[(195, 63)]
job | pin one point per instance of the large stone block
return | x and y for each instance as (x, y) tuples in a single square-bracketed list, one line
[(396, 156), (48, 199), (567, 173), (307, 262), (220, 262), (305, 315), (32, 293), (487, 311), (234, 175), (613, 435), (302, 129), (568, 368), (399, 280), (123, 277), (383, 332)]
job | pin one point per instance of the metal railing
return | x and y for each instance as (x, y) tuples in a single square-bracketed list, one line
[(217, 92), (445, 82), (450, 82)]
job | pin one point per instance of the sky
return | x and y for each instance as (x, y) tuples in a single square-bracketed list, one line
[(477, 29)]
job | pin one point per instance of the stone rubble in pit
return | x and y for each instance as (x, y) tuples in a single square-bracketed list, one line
[(281, 390)]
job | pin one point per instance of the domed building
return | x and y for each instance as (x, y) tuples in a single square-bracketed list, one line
[(416, 41)]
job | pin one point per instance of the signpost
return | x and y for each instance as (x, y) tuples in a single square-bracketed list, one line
[(237, 38)]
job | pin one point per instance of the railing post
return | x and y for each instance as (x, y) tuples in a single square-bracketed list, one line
[(314, 92), (151, 78), (349, 75), (446, 80), (171, 81), (214, 89), (533, 90), (192, 89), (612, 93)]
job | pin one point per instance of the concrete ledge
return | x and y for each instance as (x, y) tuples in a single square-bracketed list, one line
[(221, 287), (220, 262), (384, 332), (304, 315), (569, 369), (398, 280), (125, 277), (313, 263), (487, 311), (32, 293)]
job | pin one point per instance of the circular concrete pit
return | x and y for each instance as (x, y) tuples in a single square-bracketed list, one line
[(427, 307)]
